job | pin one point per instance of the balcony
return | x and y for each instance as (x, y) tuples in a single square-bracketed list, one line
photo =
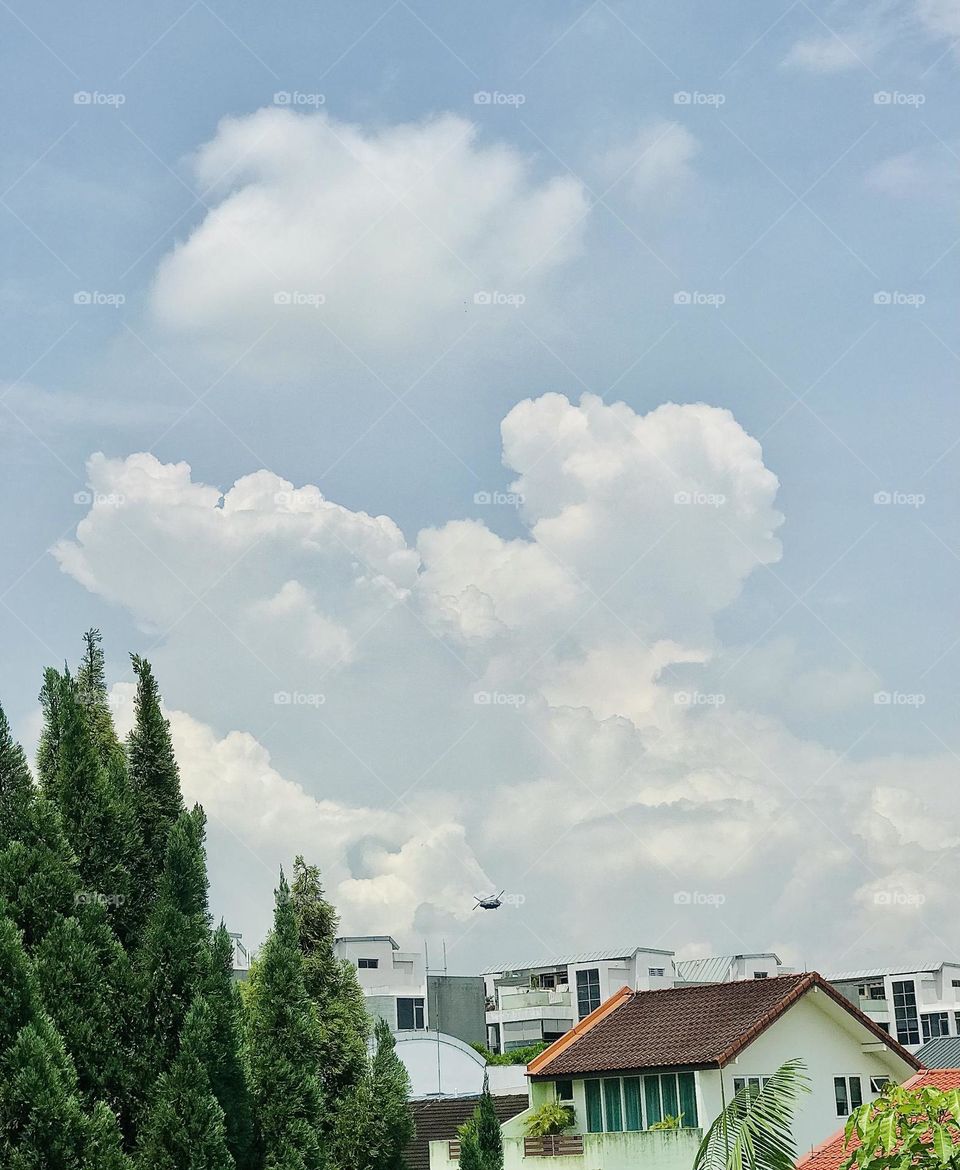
[(652, 1149), (530, 999), (879, 1007)]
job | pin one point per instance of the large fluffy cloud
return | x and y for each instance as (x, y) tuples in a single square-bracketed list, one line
[(379, 236), (546, 713)]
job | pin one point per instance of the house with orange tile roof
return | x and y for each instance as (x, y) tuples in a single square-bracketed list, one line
[(645, 1057), (832, 1153)]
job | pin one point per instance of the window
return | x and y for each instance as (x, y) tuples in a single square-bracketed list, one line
[(594, 1107), (368, 964), (611, 1106), (564, 1090), (934, 1024), (655, 972), (905, 1011), (631, 1102), (588, 991), (848, 1093), (955, 982), (877, 1084), (761, 974), (409, 1014), (754, 1083), (670, 1095)]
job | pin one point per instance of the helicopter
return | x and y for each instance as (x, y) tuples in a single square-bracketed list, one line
[(490, 902)]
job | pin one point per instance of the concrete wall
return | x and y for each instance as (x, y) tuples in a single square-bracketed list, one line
[(657, 1150), (456, 1006)]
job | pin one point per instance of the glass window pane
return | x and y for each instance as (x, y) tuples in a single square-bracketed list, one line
[(840, 1092), (668, 1090), (588, 991), (856, 1095), (688, 1098), (611, 1101), (594, 1107), (404, 1014), (631, 1100), (564, 1090), (651, 1096)]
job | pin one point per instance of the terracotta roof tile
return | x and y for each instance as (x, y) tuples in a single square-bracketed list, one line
[(438, 1118)]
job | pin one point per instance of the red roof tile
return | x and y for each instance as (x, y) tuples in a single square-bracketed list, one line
[(831, 1154), (684, 1027)]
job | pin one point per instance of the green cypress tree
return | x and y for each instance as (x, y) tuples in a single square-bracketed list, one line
[(154, 775), (283, 1048), (48, 748), (97, 823), (85, 983), (471, 1157), (37, 877), (373, 1125), (487, 1126), (184, 1128), (223, 1056), (42, 1121), (332, 985), (92, 692), (172, 959)]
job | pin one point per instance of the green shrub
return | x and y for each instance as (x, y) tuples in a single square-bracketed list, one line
[(551, 1118)]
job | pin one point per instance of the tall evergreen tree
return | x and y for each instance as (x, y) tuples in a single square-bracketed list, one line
[(223, 1054), (37, 876), (92, 692), (184, 1128), (172, 959), (154, 775), (283, 1046), (97, 822), (48, 747), (374, 1126), (489, 1139), (84, 981), (43, 1123), (332, 985)]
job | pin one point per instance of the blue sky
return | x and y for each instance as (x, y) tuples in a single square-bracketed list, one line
[(752, 210)]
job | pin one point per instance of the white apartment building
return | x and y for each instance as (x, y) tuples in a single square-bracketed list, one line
[(730, 968), (537, 1002), (394, 982), (914, 1002)]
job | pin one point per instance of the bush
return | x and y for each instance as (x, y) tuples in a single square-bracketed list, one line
[(668, 1122), (550, 1119), (515, 1056)]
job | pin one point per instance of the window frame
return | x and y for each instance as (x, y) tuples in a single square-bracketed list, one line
[(588, 982), (417, 1010), (365, 964)]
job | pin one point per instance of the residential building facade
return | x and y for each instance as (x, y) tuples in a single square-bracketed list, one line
[(914, 1003), (728, 968), (394, 982), (537, 1002), (644, 1057)]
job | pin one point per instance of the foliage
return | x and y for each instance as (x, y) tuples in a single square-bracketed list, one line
[(283, 1046), (373, 1126), (332, 985), (754, 1131), (913, 1128), (668, 1121), (551, 1118), (514, 1056), (488, 1131), (184, 1129)]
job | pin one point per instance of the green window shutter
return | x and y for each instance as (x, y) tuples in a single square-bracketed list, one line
[(688, 1098), (651, 1094), (668, 1088), (631, 1097), (594, 1107), (611, 1099)]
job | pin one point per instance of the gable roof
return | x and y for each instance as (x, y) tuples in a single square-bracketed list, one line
[(438, 1118), (715, 968), (941, 1052), (831, 1154), (691, 1026)]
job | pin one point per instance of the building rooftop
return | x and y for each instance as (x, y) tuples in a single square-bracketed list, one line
[(691, 1026), (715, 968), (907, 968), (831, 1154), (941, 1052), (351, 938), (583, 957), (437, 1119)]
